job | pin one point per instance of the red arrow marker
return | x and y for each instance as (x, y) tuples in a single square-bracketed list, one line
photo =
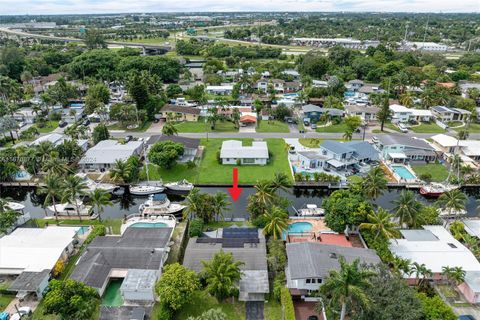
[(235, 191)]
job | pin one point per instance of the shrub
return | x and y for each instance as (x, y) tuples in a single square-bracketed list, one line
[(55, 116), (278, 285), (191, 164), (219, 160), (287, 303), (98, 230), (164, 312), (239, 162), (195, 228)]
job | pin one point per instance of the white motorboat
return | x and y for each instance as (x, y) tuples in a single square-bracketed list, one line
[(435, 189), (70, 209), (15, 206), (92, 185), (146, 190), (311, 210), (159, 204), (446, 213), (182, 185)]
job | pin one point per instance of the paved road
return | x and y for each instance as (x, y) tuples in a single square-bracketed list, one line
[(226, 135)]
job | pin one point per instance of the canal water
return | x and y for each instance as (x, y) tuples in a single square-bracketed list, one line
[(126, 203)]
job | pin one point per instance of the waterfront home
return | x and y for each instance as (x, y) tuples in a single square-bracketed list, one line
[(446, 114), (400, 148), (246, 245), (233, 151), (366, 113), (136, 257), (343, 154), (190, 145), (404, 114), (57, 139), (313, 113), (310, 263), (178, 113), (223, 90), (30, 254), (104, 154), (468, 150), (434, 247)]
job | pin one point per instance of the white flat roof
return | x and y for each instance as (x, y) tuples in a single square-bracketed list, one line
[(235, 149), (472, 227), (446, 251), (34, 249), (399, 108), (445, 140), (227, 87), (421, 112)]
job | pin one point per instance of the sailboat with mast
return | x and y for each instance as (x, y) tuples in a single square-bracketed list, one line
[(146, 189)]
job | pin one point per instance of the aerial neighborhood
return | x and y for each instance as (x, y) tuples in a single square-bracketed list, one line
[(251, 165)]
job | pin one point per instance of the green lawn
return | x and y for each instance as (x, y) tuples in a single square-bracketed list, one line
[(427, 128), (472, 128), (336, 128), (273, 126), (391, 126), (5, 300), (273, 310), (201, 126), (310, 142), (438, 171), (49, 126), (144, 127), (211, 172), (202, 302), (454, 123), (179, 172)]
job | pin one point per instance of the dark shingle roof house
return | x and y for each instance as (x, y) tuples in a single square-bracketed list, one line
[(190, 143), (137, 248), (246, 245)]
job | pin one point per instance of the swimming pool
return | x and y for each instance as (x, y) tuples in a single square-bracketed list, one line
[(299, 227), (403, 172), (83, 230), (290, 95), (112, 296), (149, 225), (77, 105), (22, 175)]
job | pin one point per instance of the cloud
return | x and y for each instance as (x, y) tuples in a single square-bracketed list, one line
[(33, 7)]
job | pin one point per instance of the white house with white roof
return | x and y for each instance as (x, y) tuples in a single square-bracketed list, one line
[(105, 153), (225, 89), (234, 150), (435, 247), (403, 114), (468, 150)]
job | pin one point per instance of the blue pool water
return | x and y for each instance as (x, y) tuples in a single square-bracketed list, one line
[(403, 172), (21, 174), (77, 105), (83, 230), (290, 95), (299, 227), (149, 225)]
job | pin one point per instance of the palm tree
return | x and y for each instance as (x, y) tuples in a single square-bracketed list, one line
[(43, 150), (458, 275), (222, 274), (347, 285), (380, 224), (407, 209), (406, 100), (280, 182), (264, 193), (193, 203), (120, 171), (220, 204), (169, 129), (421, 272), (52, 190), (276, 222), (348, 134), (56, 166), (74, 187), (100, 199), (453, 201), (447, 272), (375, 183), (401, 266)]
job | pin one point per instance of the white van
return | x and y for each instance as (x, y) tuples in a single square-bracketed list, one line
[(402, 128)]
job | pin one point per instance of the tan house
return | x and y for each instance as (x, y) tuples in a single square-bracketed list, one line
[(178, 113)]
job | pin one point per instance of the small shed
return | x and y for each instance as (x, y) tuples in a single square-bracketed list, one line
[(139, 285), (31, 282)]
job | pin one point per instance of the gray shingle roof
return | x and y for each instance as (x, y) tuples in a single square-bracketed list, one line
[(391, 139), (311, 108), (28, 281), (336, 146), (253, 255), (122, 313), (137, 248), (315, 260), (190, 143), (363, 150)]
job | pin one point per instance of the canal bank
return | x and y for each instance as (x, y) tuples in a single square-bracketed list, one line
[(126, 204)]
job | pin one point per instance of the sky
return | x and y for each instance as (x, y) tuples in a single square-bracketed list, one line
[(33, 7)]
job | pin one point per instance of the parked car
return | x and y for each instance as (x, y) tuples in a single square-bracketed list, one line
[(128, 138), (21, 313), (62, 124), (402, 128), (314, 126), (86, 122)]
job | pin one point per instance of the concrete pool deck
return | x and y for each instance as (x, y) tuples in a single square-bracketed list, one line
[(322, 234)]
